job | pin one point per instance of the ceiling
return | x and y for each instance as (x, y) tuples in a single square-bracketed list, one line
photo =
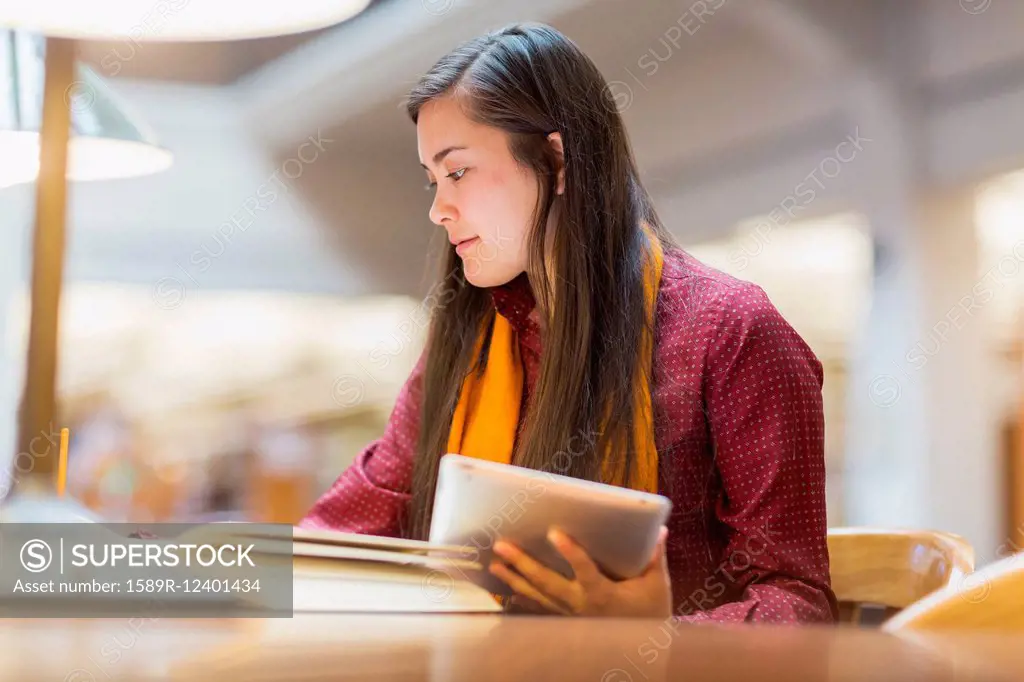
[(201, 63), (206, 63)]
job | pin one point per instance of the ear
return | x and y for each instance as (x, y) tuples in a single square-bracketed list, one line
[(555, 140)]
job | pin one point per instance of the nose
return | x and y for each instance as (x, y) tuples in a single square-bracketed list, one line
[(442, 210)]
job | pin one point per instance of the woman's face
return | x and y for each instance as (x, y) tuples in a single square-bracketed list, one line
[(482, 197)]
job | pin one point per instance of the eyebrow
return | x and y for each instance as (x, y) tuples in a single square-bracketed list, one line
[(439, 157)]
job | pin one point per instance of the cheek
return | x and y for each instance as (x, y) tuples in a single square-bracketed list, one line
[(509, 217), (505, 239)]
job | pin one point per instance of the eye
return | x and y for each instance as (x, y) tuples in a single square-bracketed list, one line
[(455, 175)]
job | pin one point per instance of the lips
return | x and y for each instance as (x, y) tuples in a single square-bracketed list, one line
[(461, 246)]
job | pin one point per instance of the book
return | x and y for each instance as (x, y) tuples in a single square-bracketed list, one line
[(322, 585), (337, 572), (343, 539)]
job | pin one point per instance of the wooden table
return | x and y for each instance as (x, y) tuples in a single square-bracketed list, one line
[(442, 648)]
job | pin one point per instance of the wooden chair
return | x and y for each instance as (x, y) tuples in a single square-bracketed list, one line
[(991, 599), (881, 571)]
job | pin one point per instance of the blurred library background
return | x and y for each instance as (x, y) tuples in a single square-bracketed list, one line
[(236, 327)]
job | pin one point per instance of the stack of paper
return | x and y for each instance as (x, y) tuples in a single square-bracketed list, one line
[(347, 572)]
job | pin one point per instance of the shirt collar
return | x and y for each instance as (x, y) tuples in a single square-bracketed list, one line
[(514, 301)]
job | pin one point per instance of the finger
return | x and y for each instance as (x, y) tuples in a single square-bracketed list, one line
[(584, 568), (551, 583), (522, 604), (523, 587)]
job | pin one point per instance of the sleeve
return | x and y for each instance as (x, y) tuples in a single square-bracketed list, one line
[(762, 392), (370, 496)]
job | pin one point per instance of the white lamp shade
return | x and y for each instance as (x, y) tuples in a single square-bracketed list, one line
[(106, 141), (175, 20)]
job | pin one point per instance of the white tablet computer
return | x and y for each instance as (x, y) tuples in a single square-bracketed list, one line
[(477, 502)]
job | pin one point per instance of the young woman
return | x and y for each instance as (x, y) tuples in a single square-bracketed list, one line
[(569, 322)]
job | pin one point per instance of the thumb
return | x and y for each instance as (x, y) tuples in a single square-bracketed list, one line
[(659, 559)]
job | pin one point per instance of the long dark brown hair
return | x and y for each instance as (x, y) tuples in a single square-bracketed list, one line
[(585, 270)]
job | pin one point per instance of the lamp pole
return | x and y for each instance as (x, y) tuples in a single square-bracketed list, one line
[(38, 406)]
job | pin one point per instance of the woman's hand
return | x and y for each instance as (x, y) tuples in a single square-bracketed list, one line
[(590, 593)]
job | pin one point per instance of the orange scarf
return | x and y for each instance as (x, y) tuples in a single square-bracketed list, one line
[(487, 415)]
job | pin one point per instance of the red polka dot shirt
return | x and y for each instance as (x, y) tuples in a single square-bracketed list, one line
[(739, 431)]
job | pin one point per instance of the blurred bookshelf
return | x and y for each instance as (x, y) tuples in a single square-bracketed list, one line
[(234, 405)]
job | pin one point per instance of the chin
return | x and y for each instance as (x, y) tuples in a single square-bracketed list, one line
[(486, 279)]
